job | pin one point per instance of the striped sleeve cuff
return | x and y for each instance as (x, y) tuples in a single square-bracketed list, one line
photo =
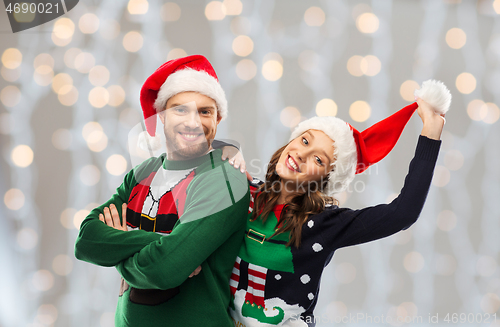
[(427, 149)]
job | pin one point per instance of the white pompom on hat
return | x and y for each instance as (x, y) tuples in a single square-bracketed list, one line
[(355, 151)]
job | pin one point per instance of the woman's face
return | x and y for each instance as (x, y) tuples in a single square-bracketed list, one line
[(307, 158)]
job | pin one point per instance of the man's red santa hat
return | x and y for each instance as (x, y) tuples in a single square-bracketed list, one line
[(355, 151), (191, 73)]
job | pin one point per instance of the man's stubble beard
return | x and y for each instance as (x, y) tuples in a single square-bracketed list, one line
[(186, 152)]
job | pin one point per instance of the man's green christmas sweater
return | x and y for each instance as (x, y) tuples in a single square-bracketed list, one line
[(180, 214)]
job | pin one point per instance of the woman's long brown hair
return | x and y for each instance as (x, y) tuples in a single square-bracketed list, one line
[(296, 212)]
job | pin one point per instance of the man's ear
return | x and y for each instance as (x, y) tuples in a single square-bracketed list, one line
[(219, 117), (161, 114)]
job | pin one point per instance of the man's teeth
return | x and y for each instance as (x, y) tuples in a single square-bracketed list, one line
[(292, 163), (190, 136)]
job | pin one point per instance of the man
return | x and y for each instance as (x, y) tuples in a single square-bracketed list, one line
[(183, 211)]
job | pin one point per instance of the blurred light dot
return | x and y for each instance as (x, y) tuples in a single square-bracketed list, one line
[(132, 41), (88, 23), (62, 265), (272, 70), (70, 57), (107, 319), (90, 127), (273, 56), (61, 80), (402, 237), (456, 38), (407, 90), (241, 25), (370, 65), (496, 6), (215, 10), (345, 272), (98, 97), (354, 65), (43, 59), (492, 113), (466, 83), (27, 238), (446, 265), (336, 310), (413, 262), (360, 111), (97, 141), (14, 199), (84, 62), (170, 12), (79, 217), (326, 107), (43, 75), (68, 95), (246, 69), (47, 314), (406, 311), (116, 164), (367, 23), (43, 280), (446, 220), (308, 60), (5, 123), (441, 176), (477, 109), (176, 53), (12, 58), (22, 156), (490, 303), (90, 175), (116, 95), (314, 16), (138, 7), (99, 75), (63, 31), (453, 160), (242, 45), (359, 9), (290, 116), (486, 266), (67, 218), (10, 96), (233, 7), (110, 29), (10, 75)]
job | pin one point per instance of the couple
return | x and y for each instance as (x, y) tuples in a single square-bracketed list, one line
[(197, 245)]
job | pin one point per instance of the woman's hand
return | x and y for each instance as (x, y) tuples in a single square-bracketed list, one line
[(112, 218), (235, 157), (433, 122), (195, 272)]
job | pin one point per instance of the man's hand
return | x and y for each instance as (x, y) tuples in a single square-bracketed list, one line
[(195, 272), (112, 218)]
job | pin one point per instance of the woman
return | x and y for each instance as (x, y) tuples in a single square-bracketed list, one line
[(295, 225)]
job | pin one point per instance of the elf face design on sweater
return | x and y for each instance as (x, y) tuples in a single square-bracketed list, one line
[(156, 203)]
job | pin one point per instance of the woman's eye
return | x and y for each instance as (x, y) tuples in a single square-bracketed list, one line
[(304, 140), (318, 160)]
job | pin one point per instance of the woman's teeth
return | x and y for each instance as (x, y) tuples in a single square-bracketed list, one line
[(292, 163)]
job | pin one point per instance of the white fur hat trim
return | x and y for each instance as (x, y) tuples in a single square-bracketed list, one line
[(187, 80), (436, 94)]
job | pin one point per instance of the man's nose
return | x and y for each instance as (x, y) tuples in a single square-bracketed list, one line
[(192, 120)]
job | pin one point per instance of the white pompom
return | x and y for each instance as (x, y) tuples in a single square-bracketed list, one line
[(149, 143), (436, 94)]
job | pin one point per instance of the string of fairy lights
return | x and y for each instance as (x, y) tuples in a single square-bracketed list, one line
[(95, 59)]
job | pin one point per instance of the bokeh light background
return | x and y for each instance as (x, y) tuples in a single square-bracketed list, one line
[(69, 95)]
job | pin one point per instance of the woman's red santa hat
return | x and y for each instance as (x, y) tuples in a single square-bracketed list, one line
[(187, 74), (355, 151)]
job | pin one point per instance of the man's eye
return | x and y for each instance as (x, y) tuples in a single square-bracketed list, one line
[(180, 110)]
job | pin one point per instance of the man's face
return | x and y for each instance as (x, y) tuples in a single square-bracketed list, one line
[(190, 121)]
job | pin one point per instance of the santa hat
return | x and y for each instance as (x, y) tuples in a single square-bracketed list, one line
[(356, 151), (191, 73)]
